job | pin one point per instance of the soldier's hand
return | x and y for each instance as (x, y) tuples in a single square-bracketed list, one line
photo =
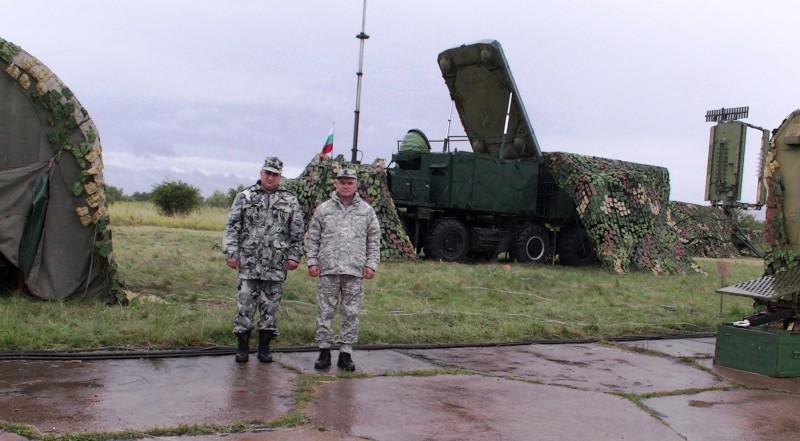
[(313, 271), (291, 265), (233, 263), (368, 273)]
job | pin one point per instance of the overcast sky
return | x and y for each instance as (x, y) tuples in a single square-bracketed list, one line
[(202, 90)]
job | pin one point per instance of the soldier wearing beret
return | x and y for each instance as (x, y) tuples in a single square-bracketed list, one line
[(263, 239), (343, 247)]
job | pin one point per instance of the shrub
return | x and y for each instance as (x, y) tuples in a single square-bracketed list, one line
[(218, 200), (232, 192), (114, 194), (176, 198), (142, 196)]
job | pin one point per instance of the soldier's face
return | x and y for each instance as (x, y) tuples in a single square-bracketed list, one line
[(270, 180), (345, 187)]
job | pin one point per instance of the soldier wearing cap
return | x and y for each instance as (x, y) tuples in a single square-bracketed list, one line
[(343, 247), (263, 239)]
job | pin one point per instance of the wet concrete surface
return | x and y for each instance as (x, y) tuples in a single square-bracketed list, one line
[(584, 366), (107, 396), (648, 390)]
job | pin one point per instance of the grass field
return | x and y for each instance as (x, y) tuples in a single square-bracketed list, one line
[(178, 262)]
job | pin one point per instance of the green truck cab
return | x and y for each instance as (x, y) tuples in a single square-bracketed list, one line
[(497, 198)]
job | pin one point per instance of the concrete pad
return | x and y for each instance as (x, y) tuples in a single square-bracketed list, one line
[(58, 397), (753, 380), (584, 366), (677, 347), (373, 362), (295, 434), (460, 407), (731, 415), (6, 436)]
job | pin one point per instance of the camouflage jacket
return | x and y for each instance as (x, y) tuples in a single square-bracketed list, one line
[(344, 239), (264, 231)]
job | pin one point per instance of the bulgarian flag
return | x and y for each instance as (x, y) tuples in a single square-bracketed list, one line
[(328, 147)]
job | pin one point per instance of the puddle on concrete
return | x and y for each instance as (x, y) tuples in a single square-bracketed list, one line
[(62, 396)]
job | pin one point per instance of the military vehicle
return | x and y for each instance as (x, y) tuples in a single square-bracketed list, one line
[(768, 341), (497, 198)]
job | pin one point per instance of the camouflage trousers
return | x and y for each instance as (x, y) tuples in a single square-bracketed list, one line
[(347, 291), (262, 294)]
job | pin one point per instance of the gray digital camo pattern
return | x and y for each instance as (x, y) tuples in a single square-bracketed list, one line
[(264, 231), (262, 294), (352, 297), (344, 239)]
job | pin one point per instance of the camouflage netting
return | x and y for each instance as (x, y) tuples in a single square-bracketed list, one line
[(315, 185), (774, 230), (48, 125), (704, 231), (625, 209), (777, 259)]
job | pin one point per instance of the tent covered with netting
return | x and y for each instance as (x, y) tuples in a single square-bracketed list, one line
[(55, 240)]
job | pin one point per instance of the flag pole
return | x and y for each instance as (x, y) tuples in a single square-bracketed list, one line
[(361, 36)]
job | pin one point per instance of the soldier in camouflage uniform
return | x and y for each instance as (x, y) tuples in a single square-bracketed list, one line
[(343, 247), (263, 239)]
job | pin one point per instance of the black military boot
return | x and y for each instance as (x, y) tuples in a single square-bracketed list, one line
[(345, 362), (264, 337), (243, 351), (324, 359)]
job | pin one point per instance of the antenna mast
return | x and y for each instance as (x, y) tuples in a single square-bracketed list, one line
[(361, 36)]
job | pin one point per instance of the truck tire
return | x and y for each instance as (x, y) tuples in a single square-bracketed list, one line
[(575, 249), (447, 241), (533, 245)]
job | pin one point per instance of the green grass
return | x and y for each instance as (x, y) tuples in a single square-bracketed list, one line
[(145, 213), (407, 302)]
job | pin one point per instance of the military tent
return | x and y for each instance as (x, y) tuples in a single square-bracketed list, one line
[(55, 240)]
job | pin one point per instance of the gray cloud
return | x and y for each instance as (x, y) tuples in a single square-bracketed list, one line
[(202, 90)]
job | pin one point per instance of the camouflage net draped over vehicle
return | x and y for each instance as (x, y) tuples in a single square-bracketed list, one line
[(625, 209), (704, 231), (315, 185), (777, 259)]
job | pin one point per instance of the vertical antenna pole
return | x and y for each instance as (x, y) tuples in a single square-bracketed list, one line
[(447, 134), (361, 36)]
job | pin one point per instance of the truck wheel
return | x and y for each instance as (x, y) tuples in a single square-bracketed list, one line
[(447, 241), (533, 245), (575, 249)]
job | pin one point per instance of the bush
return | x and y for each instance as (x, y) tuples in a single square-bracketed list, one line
[(176, 198), (114, 194), (232, 192), (218, 200), (142, 196)]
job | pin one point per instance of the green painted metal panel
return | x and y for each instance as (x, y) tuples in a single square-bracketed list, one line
[(480, 83), (726, 162), (761, 350), (441, 178), (486, 184)]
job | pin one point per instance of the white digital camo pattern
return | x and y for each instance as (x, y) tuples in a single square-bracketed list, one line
[(344, 239)]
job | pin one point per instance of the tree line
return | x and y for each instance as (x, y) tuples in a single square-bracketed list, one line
[(175, 198)]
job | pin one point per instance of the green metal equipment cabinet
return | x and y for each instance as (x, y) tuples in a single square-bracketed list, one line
[(762, 350)]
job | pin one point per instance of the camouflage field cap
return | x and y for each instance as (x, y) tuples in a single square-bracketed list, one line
[(346, 173), (272, 164)]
